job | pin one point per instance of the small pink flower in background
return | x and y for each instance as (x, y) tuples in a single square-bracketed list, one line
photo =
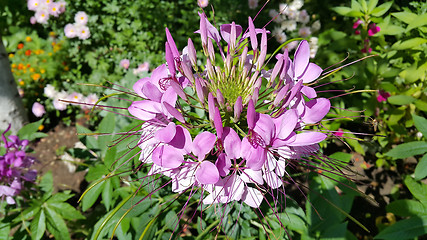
[(373, 29), (33, 4), (202, 3), (54, 9), (50, 91), (62, 5), (38, 109), (304, 32), (60, 105), (75, 97), (70, 30), (42, 16), (124, 63), (143, 67), (83, 32), (382, 96), (21, 92), (357, 32), (304, 17), (253, 4), (81, 18), (357, 23), (33, 20), (90, 100)]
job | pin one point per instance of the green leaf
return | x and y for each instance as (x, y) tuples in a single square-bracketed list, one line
[(66, 210), (419, 21), (293, 222), (4, 230), (389, 29), (346, 11), (107, 194), (406, 17), (420, 124), (56, 225), (38, 225), (408, 150), (91, 196), (419, 190), (411, 43), (371, 5), (401, 99), (27, 131), (381, 9), (405, 229), (46, 183), (406, 208), (421, 168), (107, 126), (342, 156), (355, 5), (88, 140), (60, 197), (364, 5), (422, 105), (171, 220)]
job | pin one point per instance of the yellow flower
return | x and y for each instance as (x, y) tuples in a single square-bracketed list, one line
[(52, 34), (42, 70), (35, 76), (28, 39), (66, 68), (50, 54), (13, 65), (41, 127), (11, 55), (21, 83)]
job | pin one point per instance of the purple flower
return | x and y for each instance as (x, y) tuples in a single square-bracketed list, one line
[(14, 166), (382, 96), (373, 29)]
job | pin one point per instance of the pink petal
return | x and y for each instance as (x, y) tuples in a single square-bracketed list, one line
[(223, 165), (286, 123), (172, 44), (151, 91), (182, 140), (207, 173), (308, 138), (174, 112), (251, 115), (255, 157), (253, 197), (238, 107), (167, 156), (265, 128), (145, 109), (166, 134), (252, 34), (225, 30), (316, 110), (232, 143), (203, 144), (311, 73), (301, 58), (308, 91), (137, 87)]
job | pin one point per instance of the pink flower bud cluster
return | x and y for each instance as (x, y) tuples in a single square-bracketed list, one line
[(78, 28), (14, 167), (44, 9), (371, 30), (238, 143), (62, 98)]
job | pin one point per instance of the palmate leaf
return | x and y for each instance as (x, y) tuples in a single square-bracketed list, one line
[(38, 225), (56, 224)]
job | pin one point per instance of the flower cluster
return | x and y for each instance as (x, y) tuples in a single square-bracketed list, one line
[(78, 28), (44, 9), (229, 129), (14, 164), (78, 98), (368, 30), (294, 22)]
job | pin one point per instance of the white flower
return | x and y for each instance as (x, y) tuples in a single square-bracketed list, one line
[(33, 4), (289, 25), (83, 32), (60, 105), (38, 109), (70, 30), (279, 35), (50, 91), (316, 26), (304, 32), (81, 18), (42, 16), (304, 17), (296, 5)]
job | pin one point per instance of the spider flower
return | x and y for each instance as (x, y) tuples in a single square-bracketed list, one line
[(250, 121), (14, 166)]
